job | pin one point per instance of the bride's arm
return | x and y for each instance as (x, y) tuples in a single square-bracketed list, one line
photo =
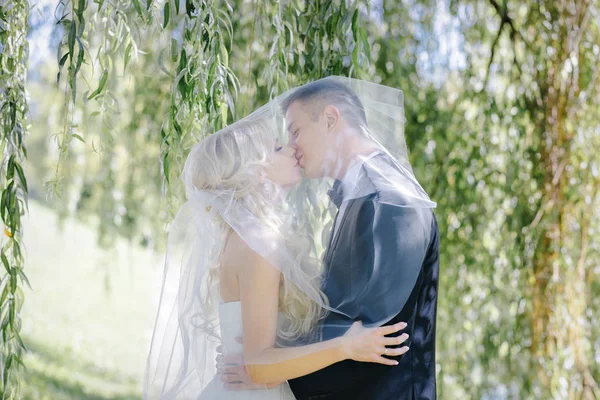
[(259, 291)]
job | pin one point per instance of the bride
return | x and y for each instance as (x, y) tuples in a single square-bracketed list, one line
[(240, 265)]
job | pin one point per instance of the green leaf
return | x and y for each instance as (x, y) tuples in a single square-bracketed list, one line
[(17, 255), (81, 27), (5, 202), (21, 176), (62, 19), (211, 74), (355, 25), (71, 39), (138, 8), (166, 14), (19, 361), (7, 367), (63, 60), (365, 40), (80, 56), (174, 50), (82, 6), (13, 281), (12, 310), (103, 79), (5, 262), (166, 166), (224, 55), (5, 292), (334, 24), (182, 60), (161, 62), (18, 337), (24, 278), (76, 136), (73, 84), (127, 56), (10, 169), (177, 129)]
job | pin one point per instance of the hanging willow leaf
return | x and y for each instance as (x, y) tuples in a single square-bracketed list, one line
[(80, 25), (10, 168), (60, 65), (355, 25), (21, 176), (76, 136), (5, 262), (174, 50), (161, 63), (166, 14), (71, 39), (62, 60), (81, 7), (7, 366), (138, 8), (127, 56), (80, 57), (166, 167), (103, 80)]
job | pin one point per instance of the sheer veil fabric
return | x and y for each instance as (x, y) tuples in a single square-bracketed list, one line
[(290, 228)]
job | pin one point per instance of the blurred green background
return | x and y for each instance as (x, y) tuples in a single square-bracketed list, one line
[(503, 129)]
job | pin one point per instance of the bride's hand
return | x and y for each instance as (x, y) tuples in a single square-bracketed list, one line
[(370, 344), (233, 374)]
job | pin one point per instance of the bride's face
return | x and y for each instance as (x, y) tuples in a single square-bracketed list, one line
[(283, 169)]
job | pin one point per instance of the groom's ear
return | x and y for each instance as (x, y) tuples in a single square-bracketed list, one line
[(332, 117)]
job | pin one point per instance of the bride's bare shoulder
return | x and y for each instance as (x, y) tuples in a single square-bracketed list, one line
[(236, 250), (237, 254)]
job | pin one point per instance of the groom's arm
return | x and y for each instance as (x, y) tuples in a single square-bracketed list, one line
[(389, 246)]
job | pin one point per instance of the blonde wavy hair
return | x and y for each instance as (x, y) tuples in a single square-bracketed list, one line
[(234, 159)]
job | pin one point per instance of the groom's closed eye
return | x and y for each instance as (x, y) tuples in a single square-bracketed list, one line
[(294, 134)]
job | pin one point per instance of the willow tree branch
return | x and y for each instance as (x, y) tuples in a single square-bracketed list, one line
[(489, 67), (505, 19)]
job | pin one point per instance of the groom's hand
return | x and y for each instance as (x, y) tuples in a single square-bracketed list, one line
[(232, 372)]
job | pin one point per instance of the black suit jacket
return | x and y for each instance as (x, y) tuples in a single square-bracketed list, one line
[(386, 256)]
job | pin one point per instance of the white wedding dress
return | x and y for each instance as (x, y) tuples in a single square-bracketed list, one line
[(230, 315)]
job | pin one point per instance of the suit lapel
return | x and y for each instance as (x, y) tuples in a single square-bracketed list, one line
[(338, 227)]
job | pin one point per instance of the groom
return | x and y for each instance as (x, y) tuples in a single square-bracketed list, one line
[(382, 260), (381, 263)]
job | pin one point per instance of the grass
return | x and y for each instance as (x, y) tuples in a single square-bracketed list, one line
[(88, 321)]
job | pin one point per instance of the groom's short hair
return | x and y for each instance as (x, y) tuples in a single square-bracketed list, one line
[(319, 94)]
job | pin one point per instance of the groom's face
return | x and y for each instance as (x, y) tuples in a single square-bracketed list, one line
[(307, 131)]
